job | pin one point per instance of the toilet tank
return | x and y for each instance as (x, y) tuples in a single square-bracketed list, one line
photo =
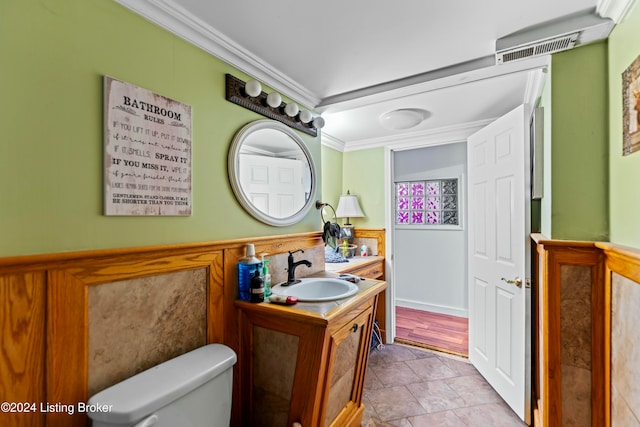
[(192, 390)]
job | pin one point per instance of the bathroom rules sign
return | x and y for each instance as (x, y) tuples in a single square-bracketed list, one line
[(147, 159)]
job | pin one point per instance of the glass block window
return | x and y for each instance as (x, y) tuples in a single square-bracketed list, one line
[(432, 202)]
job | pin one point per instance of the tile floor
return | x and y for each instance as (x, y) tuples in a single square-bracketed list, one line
[(412, 387)]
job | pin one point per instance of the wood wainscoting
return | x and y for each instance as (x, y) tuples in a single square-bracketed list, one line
[(45, 314), (586, 296), (53, 305)]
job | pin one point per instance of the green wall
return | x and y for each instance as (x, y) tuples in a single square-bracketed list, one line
[(579, 151), (363, 175), (54, 56), (624, 48), (331, 176)]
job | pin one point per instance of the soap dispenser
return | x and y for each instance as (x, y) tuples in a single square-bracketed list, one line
[(266, 278)]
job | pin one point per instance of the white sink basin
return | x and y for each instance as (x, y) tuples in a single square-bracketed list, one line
[(317, 289)]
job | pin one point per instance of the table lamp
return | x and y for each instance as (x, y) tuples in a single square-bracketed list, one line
[(348, 207)]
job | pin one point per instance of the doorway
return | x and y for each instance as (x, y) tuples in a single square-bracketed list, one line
[(430, 247), (441, 332)]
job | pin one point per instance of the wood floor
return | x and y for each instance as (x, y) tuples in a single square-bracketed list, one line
[(440, 332)]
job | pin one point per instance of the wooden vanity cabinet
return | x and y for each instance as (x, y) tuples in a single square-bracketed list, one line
[(304, 367), (372, 268)]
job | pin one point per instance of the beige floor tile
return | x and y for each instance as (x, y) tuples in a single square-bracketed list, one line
[(436, 396), (410, 387), (393, 374), (493, 414), (431, 369), (393, 403), (439, 419)]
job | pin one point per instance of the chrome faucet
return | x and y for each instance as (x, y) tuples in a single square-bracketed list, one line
[(291, 268)]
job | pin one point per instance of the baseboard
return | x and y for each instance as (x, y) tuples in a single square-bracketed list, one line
[(430, 347), (441, 309)]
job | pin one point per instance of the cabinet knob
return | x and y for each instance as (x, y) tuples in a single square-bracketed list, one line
[(355, 327), (296, 424)]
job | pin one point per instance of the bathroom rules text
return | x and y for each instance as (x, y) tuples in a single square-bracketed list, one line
[(147, 159)]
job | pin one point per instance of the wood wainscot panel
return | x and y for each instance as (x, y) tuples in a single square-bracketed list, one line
[(68, 322), (569, 323), (45, 319), (620, 336), (139, 323), (22, 348)]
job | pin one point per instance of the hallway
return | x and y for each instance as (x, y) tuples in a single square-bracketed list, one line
[(441, 332), (413, 387)]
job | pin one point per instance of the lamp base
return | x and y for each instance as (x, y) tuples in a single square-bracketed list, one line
[(347, 232)]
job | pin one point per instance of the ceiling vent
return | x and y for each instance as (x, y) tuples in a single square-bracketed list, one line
[(542, 47), (553, 36)]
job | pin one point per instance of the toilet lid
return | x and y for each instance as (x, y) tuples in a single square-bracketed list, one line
[(150, 390)]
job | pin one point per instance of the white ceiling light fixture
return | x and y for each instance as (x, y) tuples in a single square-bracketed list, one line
[(403, 118)]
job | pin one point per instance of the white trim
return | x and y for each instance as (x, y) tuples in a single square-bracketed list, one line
[(443, 135), (535, 85), (331, 142), (417, 227), (175, 19), (354, 100), (390, 302), (616, 10), (435, 308)]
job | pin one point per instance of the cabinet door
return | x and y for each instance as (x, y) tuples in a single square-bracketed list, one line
[(349, 350)]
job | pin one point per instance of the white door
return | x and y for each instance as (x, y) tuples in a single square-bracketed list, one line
[(273, 185), (499, 224)]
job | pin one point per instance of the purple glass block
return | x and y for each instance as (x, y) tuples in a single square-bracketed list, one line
[(417, 203), (402, 217), (417, 217), (403, 203), (417, 189), (433, 203), (402, 189), (433, 188), (433, 217)]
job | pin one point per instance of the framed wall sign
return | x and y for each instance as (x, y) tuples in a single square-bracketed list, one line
[(147, 152), (631, 108)]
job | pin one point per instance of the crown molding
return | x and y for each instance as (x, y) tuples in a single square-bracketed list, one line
[(332, 142), (616, 10), (443, 135), (183, 24)]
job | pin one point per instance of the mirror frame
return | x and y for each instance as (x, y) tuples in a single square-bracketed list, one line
[(234, 178)]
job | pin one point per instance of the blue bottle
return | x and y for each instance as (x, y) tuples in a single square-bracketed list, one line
[(246, 268)]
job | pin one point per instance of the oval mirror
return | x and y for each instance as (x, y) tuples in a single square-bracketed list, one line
[(272, 173)]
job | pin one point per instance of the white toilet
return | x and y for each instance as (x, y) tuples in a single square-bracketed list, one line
[(192, 390)]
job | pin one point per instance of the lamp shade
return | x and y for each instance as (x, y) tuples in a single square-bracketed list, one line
[(348, 207)]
